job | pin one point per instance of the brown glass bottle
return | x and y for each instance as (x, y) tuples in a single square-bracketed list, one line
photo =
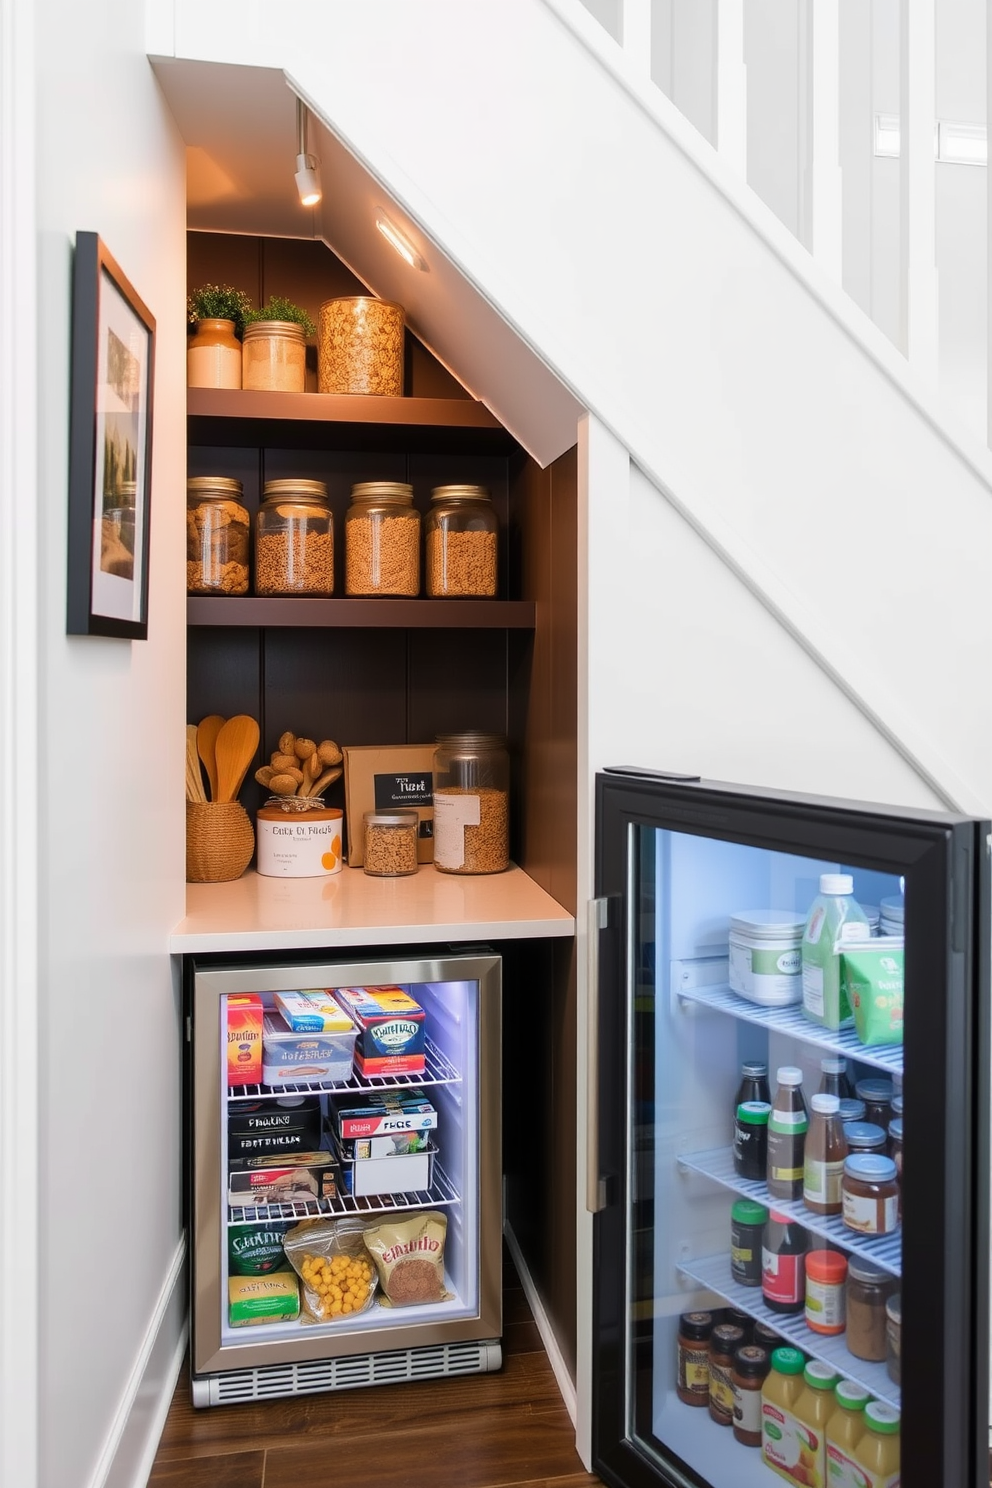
[(787, 1126), (823, 1164), (751, 1366)]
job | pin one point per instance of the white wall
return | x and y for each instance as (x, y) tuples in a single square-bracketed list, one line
[(111, 846)]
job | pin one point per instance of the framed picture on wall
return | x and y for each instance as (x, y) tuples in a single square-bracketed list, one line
[(110, 446)]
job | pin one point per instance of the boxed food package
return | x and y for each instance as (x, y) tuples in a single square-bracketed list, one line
[(244, 1038), (274, 1125), (400, 1172), (391, 1033), (290, 1058), (381, 1115), (299, 1177), (313, 1012), (263, 1299), (382, 778)]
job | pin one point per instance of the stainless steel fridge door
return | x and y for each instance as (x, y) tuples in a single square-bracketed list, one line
[(463, 1076), (674, 860)]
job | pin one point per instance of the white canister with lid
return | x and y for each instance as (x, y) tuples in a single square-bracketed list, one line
[(298, 837), (766, 956)]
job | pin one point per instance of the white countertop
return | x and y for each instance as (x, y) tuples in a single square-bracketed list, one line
[(254, 913)]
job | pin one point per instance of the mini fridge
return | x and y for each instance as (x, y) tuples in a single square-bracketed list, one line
[(270, 1170), (675, 1015)]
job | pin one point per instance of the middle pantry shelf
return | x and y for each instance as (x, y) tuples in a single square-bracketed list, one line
[(357, 613)]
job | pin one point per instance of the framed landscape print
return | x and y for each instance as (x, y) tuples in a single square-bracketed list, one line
[(110, 445)]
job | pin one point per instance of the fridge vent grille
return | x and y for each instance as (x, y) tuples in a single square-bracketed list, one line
[(347, 1373)]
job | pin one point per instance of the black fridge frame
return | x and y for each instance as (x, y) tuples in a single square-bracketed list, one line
[(945, 858)]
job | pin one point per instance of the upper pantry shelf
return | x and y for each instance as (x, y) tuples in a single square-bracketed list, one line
[(408, 614), (239, 416)]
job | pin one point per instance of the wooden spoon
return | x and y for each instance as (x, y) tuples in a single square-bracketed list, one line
[(235, 748), (206, 740), (194, 780)]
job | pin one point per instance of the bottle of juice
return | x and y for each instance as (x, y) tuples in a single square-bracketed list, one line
[(845, 1429), (779, 1394), (814, 1408), (877, 1453), (834, 915)]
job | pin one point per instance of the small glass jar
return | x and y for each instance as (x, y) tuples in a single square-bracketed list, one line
[(870, 1194), (868, 1290), (460, 542), (471, 803), (294, 539), (382, 540), (274, 357), (213, 355), (391, 842), (217, 536)]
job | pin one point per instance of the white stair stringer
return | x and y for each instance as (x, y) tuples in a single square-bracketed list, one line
[(771, 414)]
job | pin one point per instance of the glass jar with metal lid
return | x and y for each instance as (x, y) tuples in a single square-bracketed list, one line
[(382, 540), (471, 803), (217, 536), (294, 539), (274, 356), (460, 541), (390, 842)]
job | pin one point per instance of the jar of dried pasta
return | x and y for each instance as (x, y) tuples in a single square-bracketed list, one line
[(217, 535), (471, 803), (382, 540), (460, 536), (294, 539), (390, 842)]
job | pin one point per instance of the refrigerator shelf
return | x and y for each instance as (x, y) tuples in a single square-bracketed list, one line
[(442, 1191), (439, 1071), (718, 1163), (790, 1020), (713, 1272)]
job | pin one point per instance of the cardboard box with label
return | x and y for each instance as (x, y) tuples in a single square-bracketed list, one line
[(380, 778)]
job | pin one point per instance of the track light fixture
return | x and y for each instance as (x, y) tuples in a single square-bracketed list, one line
[(307, 176)]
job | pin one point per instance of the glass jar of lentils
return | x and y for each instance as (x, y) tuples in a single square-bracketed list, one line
[(460, 537), (471, 803), (294, 539), (382, 540)]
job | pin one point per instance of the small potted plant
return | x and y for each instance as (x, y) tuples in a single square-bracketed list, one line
[(213, 354), (274, 354)]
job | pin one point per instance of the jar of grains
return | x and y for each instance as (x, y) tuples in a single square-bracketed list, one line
[(274, 357), (460, 537), (217, 531), (294, 539), (382, 540), (391, 842), (471, 803)]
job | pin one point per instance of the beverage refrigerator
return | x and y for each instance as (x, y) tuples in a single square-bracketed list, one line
[(243, 1133), (674, 1019)]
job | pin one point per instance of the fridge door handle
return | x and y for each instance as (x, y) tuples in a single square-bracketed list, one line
[(597, 919)]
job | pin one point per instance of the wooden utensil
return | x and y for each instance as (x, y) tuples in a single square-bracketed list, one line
[(194, 780), (235, 749), (206, 741)]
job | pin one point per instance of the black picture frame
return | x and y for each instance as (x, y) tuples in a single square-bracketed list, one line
[(110, 448)]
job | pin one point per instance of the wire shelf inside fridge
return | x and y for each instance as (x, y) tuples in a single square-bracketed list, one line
[(441, 1192), (713, 1273), (791, 1020), (718, 1163), (439, 1070)]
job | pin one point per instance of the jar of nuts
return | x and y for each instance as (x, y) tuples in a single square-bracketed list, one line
[(217, 530), (460, 535), (391, 842), (382, 540), (294, 539), (471, 803)]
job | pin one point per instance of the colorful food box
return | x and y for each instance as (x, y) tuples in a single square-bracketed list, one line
[(313, 1012), (290, 1058), (244, 1038), (273, 1126), (391, 1032), (301, 1177), (381, 1115), (263, 1299)]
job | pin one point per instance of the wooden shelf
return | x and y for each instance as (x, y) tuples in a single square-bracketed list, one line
[(236, 417), (368, 614)]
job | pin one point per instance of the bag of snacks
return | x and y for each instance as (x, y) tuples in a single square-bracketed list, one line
[(872, 974), (409, 1254), (330, 1258)]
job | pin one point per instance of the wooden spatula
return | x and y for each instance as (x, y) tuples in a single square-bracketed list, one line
[(206, 741), (234, 749)]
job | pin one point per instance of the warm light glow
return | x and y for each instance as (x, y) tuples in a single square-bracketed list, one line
[(400, 242), (307, 180)]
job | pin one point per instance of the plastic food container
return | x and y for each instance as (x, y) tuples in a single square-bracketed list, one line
[(766, 956), (401, 1172), (290, 1058)]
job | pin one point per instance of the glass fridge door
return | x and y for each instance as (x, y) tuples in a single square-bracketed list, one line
[(770, 1306)]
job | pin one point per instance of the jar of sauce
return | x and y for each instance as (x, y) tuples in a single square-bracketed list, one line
[(725, 1340), (895, 1152), (823, 1163), (852, 1110), (870, 1194), (787, 1126), (877, 1453), (751, 1366), (739, 1319), (747, 1228), (826, 1277), (864, 1136), (877, 1096), (868, 1290), (751, 1140), (764, 1337), (783, 1264), (893, 1337), (693, 1387)]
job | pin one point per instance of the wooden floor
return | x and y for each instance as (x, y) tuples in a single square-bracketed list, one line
[(482, 1431)]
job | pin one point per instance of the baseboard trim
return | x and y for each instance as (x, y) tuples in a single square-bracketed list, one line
[(566, 1384), (132, 1441)]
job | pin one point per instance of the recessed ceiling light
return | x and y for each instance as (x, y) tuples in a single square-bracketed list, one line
[(400, 242)]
